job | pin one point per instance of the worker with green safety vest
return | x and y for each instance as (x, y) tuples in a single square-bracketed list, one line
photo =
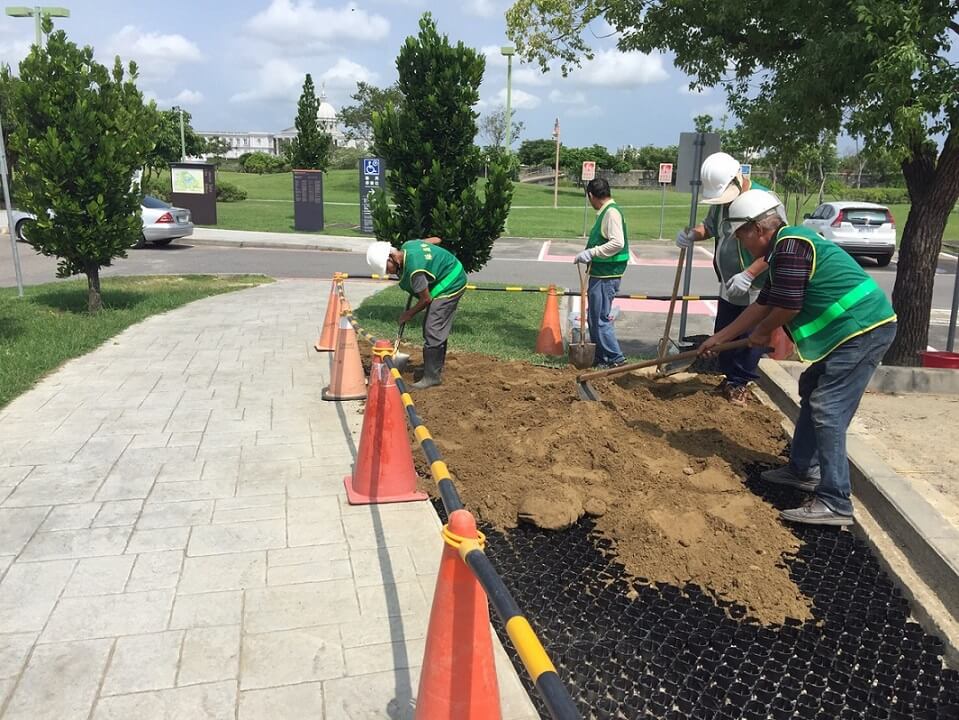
[(740, 275), (841, 321), (435, 277), (607, 253)]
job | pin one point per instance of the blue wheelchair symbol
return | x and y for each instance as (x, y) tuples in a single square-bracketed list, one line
[(371, 166)]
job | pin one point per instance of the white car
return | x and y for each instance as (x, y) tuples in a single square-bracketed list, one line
[(162, 223), (860, 228)]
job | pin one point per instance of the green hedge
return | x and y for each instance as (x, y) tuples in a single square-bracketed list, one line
[(883, 196)]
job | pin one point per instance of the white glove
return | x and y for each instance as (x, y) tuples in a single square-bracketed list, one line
[(739, 285), (584, 257), (685, 239)]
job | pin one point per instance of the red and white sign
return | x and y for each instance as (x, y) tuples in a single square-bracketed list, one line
[(589, 171), (665, 173)]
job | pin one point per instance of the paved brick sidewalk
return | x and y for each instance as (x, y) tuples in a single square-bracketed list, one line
[(174, 541)]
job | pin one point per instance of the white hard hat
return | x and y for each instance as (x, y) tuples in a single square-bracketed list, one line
[(376, 256), (753, 205), (722, 179)]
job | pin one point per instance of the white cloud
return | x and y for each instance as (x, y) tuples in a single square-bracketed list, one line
[(717, 110), (567, 98), (523, 74), (300, 27), (684, 89), (481, 8), (275, 80), (15, 43), (188, 97), (158, 56), (521, 100), (587, 111), (346, 73), (613, 68)]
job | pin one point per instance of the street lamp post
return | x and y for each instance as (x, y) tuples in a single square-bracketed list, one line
[(556, 170), (182, 138), (509, 51), (38, 13)]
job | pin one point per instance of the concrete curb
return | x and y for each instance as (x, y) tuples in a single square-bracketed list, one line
[(267, 245), (929, 543), (890, 380)]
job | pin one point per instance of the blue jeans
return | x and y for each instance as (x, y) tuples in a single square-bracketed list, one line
[(830, 391), (739, 366), (601, 332)]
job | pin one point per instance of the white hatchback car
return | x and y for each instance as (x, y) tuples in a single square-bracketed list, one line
[(860, 228)]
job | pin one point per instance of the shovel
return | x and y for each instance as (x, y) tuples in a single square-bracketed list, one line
[(587, 392), (582, 354), (401, 360), (666, 345)]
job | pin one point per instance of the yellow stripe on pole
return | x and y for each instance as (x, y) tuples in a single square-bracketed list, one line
[(529, 647), (421, 433), (638, 297), (396, 376), (407, 399), (513, 289), (440, 471)]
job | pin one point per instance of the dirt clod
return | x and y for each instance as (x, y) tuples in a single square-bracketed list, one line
[(657, 462)]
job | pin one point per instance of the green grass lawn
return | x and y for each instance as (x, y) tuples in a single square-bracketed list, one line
[(504, 325), (50, 325), (269, 208)]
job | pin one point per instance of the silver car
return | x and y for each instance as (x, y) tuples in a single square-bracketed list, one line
[(860, 228), (162, 223)]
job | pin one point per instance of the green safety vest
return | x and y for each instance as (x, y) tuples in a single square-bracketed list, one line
[(445, 272), (842, 300), (729, 256), (611, 267)]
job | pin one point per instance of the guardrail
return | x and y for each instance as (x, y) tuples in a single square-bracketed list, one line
[(531, 651)]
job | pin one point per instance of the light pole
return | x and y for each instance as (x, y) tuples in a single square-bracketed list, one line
[(38, 13), (182, 137), (509, 51), (556, 171)]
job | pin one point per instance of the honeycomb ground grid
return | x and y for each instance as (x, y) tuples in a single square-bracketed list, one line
[(627, 648)]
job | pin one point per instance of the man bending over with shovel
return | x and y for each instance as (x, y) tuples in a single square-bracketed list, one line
[(841, 321), (436, 279)]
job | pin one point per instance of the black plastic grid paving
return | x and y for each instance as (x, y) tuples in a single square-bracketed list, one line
[(674, 652)]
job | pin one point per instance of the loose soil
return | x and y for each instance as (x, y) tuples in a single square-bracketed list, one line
[(657, 462)]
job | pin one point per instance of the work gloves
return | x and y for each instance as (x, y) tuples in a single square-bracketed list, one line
[(584, 257), (739, 285), (685, 239)]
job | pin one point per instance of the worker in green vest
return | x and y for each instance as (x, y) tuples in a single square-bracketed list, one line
[(740, 275), (435, 277), (607, 253), (841, 321)]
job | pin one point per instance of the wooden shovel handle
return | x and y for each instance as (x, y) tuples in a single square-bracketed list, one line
[(582, 303), (672, 302), (688, 355)]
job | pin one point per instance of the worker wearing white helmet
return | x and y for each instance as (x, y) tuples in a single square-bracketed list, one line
[(841, 321), (740, 275), (435, 277)]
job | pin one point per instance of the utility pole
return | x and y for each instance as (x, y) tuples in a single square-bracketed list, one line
[(182, 138), (9, 206), (508, 51), (38, 13), (556, 169)]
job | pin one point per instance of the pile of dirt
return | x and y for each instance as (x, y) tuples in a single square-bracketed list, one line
[(657, 462)]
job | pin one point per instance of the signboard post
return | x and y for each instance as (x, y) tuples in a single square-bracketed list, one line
[(693, 149), (372, 178), (665, 178), (308, 200), (588, 173), (194, 188)]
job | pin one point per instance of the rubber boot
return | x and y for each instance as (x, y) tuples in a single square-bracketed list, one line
[(432, 367)]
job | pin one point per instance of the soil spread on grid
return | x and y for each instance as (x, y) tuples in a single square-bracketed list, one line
[(657, 462)]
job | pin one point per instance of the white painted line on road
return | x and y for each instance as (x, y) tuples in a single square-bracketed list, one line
[(544, 250)]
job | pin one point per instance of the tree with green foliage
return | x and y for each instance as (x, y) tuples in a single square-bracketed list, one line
[(312, 148), (649, 157), (82, 132), (878, 69), (492, 127), (261, 162), (358, 119), (8, 90), (217, 148), (166, 140), (431, 159), (537, 152)]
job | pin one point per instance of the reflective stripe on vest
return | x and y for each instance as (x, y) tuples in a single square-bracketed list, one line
[(450, 278), (832, 312)]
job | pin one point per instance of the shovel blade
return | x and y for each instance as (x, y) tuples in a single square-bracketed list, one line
[(582, 356), (401, 361)]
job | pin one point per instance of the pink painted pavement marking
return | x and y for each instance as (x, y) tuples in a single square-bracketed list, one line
[(696, 307), (546, 256)]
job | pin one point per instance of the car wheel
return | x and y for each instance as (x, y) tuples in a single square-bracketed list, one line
[(161, 243), (141, 242), (20, 230), (884, 260)]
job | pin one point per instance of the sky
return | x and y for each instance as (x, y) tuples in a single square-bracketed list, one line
[(239, 65)]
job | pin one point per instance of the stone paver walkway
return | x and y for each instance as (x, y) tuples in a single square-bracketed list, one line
[(175, 542)]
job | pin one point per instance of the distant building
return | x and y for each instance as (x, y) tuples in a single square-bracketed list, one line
[(272, 143)]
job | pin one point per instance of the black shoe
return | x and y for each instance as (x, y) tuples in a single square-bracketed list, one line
[(611, 365)]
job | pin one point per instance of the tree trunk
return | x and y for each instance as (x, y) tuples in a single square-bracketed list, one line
[(94, 298), (934, 189)]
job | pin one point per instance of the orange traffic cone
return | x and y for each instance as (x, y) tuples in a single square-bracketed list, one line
[(550, 339), (347, 381), (384, 469), (458, 677), (327, 340)]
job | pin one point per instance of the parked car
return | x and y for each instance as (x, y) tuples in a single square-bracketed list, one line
[(860, 228), (162, 223)]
